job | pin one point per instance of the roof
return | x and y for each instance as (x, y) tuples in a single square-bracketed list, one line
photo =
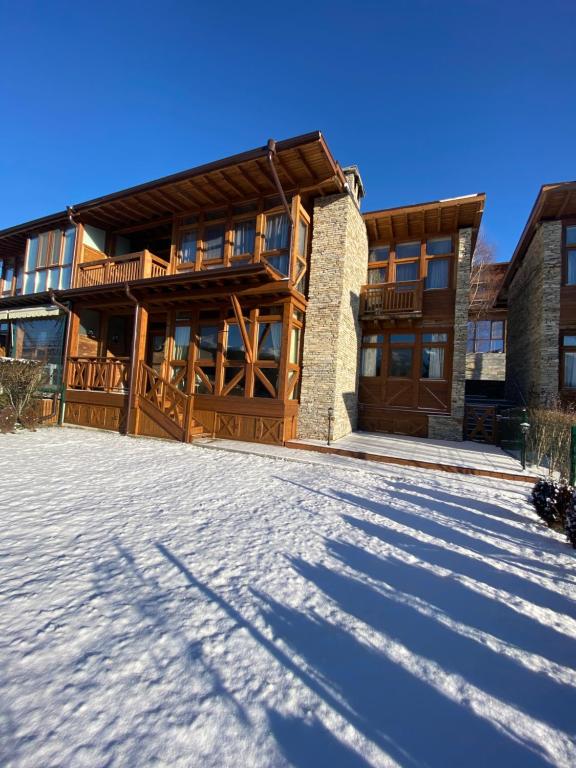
[(425, 219), (554, 201), (301, 162)]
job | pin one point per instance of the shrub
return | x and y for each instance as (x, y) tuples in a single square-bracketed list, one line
[(552, 501), (7, 420), (570, 526), (20, 380), (549, 437)]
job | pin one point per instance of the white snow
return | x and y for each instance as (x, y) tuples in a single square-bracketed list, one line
[(169, 605)]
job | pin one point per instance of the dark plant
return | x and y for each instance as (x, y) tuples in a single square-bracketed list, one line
[(20, 380), (570, 524)]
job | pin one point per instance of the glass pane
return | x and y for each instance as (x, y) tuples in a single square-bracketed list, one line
[(188, 247), (55, 247), (432, 363), (470, 345), (280, 262), (482, 345), (497, 329), (440, 338), (65, 277), (41, 281), (407, 250), (181, 342), (207, 342), (200, 387), (571, 235), (234, 344), (269, 341), (402, 338), (302, 237), (382, 253), (571, 277), (569, 341), (471, 329), (8, 275), (69, 240), (238, 389), (41, 339), (32, 254), (244, 237), (373, 338), (483, 329), (89, 323), (214, 242), (400, 363), (260, 390), (437, 276), (295, 394), (570, 369), (295, 345), (497, 345), (277, 232), (371, 361), (439, 246), (29, 280), (43, 240), (52, 278), (405, 272), (377, 275)]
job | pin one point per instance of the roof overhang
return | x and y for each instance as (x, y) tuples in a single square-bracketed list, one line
[(425, 219), (554, 202), (302, 163)]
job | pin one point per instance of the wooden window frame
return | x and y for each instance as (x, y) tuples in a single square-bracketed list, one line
[(422, 260), (50, 266), (563, 350), (490, 339), (566, 250)]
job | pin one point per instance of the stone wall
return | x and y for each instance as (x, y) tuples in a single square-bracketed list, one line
[(451, 427), (532, 359), (332, 334), (486, 366)]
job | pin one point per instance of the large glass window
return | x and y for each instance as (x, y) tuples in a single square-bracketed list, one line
[(214, 243), (276, 242), (438, 274), (439, 246), (569, 361), (570, 255), (371, 361), (49, 261), (432, 363), (408, 250), (188, 247), (400, 362), (244, 239), (41, 339), (407, 272), (485, 336)]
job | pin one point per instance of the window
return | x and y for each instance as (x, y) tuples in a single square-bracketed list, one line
[(205, 366), (382, 253), (439, 246), (301, 251), (377, 275), (49, 261), (188, 247), (8, 270), (276, 242), (400, 362), (371, 361), (244, 239), (407, 272), (408, 250), (432, 363), (378, 259), (438, 274), (568, 361), (570, 239), (214, 243), (485, 336)]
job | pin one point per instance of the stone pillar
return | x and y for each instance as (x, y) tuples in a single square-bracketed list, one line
[(332, 336), (451, 427), (532, 351)]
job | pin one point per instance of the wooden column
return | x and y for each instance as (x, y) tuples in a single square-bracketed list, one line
[(138, 356)]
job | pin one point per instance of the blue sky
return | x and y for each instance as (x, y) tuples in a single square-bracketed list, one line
[(430, 99)]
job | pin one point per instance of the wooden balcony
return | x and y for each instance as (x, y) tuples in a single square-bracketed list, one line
[(99, 374), (389, 300), (118, 269)]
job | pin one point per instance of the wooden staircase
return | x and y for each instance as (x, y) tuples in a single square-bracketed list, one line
[(166, 405)]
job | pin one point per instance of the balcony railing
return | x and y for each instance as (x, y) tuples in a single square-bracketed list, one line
[(101, 374), (391, 299), (118, 269)]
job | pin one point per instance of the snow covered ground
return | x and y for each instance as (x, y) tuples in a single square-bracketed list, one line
[(170, 605)]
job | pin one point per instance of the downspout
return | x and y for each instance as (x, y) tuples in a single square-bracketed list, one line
[(133, 371), (65, 309)]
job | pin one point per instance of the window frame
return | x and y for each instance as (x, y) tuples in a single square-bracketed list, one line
[(563, 350), (392, 262), (491, 338), (52, 265), (567, 249)]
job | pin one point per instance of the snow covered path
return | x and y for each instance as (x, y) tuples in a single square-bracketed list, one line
[(169, 605)]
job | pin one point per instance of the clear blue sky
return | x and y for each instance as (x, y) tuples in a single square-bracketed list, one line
[(431, 98)]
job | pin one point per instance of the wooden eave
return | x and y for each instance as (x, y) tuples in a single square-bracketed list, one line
[(424, 219), (13, 239), (554, 202)]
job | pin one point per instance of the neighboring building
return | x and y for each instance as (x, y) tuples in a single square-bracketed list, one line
[(236, 299), (486, 349), (539, 290)]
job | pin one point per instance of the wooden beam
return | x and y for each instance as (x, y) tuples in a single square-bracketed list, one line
[(241, 324)]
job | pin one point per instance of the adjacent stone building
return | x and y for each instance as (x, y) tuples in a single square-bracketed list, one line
[(539, 291)]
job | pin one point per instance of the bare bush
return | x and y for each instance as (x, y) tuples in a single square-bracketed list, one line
[(549, 437), (20, 380)]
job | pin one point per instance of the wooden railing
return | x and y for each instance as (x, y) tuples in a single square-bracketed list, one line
[(163, 395), (118, 269), (391, 299), (103, 374)]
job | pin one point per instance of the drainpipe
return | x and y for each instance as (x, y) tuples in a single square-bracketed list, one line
[(133, 370), (65, 309)]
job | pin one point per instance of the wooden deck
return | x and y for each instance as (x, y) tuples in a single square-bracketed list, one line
[(461, 457)]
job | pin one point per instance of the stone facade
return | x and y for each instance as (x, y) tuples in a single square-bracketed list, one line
[(332, 335), (486, 366), (532, 359), (451, 427)]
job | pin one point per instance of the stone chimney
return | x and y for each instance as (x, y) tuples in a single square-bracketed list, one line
[(354, 181)]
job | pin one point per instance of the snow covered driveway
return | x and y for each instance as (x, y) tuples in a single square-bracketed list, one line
[(169, 605)]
